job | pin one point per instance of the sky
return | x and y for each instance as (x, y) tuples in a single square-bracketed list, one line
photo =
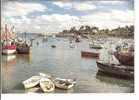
[(52, 16)]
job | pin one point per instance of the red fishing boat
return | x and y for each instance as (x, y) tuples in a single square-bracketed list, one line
[(125, 58), (8, 47), (89, 54)]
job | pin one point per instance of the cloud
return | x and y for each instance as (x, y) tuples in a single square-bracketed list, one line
[(79, 6), (113, 2), (111, 19), (21, 9), (84, 6), (123, 16), (57, 21), (44, 23), (60, 4)]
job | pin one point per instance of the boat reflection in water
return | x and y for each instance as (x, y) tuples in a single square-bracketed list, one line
[(8, 60), (24, 58), (109, 79), (8, 57), (33, 90), (8, 63)]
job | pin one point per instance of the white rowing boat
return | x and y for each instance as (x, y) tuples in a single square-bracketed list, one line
[(47, 85), (64, 83), (31, 82), (45, 75)]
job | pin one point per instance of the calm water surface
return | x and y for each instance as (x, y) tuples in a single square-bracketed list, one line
[(64, 62)]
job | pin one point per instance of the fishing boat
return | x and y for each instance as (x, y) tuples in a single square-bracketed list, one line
[(8, 45), (64, 83), (31, 82), (89, 54), (125, 58), (9, 49), (47, 85), (23, 47), (116, 69), (95, 46)]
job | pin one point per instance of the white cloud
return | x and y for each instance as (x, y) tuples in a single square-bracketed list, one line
[(123, 16), (84, 6), (57, 22), (80, 6), (21, 9), (44, 23), (66, 5), (113, 2), (109, 19)]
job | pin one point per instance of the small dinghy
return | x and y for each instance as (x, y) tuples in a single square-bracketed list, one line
[(47, 85), (64, 83), (31, 82), (53, 46), (45, 75)]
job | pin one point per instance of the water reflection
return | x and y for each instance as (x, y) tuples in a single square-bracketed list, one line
[(64, 62), (33, 90), (26, 58), (8, 61), (119, 81)]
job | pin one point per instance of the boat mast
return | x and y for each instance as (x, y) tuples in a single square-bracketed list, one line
[(6, 30), (25, 37)]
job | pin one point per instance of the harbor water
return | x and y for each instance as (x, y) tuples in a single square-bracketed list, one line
[(63, 62)]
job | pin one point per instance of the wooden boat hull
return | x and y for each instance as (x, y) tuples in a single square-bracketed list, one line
[(89, 54), (64, 83), (47, 85), (8, 52), (95, 47), (23, 50), (9, 49), (125, 58), (31, 82), (118, 70)]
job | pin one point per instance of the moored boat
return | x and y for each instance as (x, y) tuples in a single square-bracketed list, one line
[(23, 49), (95, 46), (53, 46), (9, 49), (115, 69), (31, 82), (125, 58), (64, 83), (45, 75), (47, 85), (7, 37), (89, 54)]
